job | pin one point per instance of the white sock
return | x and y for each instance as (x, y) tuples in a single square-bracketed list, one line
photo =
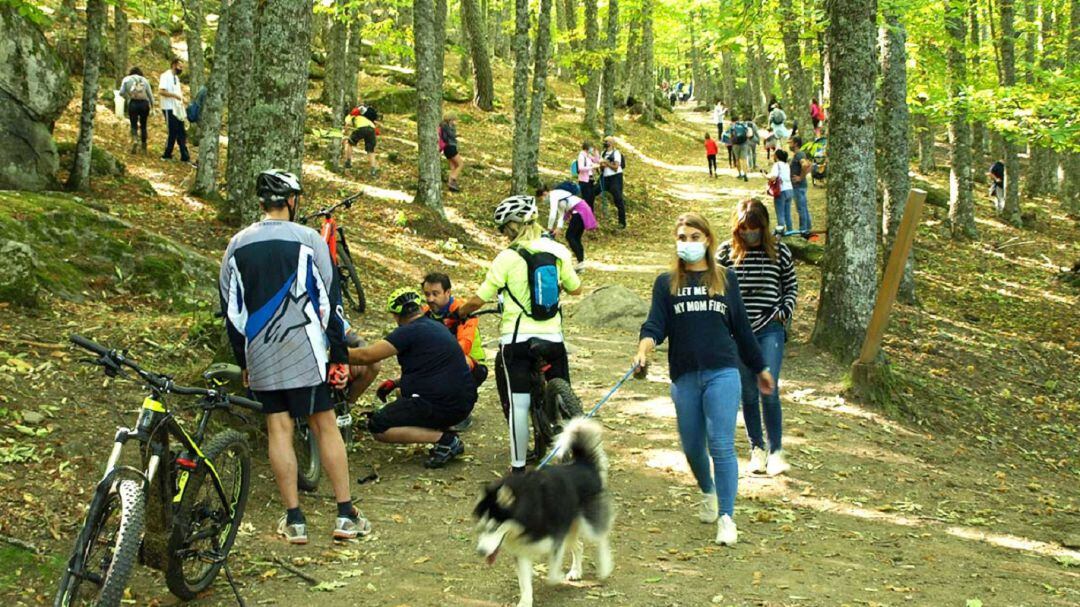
[(519, 428)]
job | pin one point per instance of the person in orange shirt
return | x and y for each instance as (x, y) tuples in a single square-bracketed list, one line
[(441, 306), (710, 154)]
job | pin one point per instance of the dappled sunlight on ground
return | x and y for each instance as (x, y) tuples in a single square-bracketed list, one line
[(837, 404)]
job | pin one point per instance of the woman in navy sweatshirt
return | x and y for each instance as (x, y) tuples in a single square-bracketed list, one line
[(697, 307)]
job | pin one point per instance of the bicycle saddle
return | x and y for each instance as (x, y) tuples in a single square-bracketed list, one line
[(223, 373), (541, 348)]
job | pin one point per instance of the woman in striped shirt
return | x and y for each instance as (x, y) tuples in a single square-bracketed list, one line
[(769, 290)]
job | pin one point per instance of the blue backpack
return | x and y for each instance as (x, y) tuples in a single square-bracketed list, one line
[(574, 169), (543, 284), (194, 109)]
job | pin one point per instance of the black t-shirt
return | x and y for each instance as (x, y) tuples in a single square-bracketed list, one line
[(998, 170), (796, 169), (432, 364)]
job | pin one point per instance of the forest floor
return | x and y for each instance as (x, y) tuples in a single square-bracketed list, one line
[(966, 495)]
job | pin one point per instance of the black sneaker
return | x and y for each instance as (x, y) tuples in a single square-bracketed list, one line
[(463, 425), (442, 454), (348, 164)]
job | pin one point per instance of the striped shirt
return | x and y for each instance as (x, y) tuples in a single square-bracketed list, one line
[(768, 287)]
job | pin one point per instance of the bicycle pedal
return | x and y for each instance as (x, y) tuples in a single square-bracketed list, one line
[(345, 421)]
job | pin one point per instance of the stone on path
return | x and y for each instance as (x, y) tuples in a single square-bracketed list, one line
[(610, 307)]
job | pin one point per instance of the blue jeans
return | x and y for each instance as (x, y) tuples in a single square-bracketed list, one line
[(803, 208), (783, 210), (706, 405), (771, 341)]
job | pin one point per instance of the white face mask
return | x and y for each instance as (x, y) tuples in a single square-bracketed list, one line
[(690, 252)]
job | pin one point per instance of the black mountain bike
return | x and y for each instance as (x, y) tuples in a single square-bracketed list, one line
[(334, 235), (308, 468), (207, 482)]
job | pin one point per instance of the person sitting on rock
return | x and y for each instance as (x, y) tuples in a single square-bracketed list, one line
[(436, 388)]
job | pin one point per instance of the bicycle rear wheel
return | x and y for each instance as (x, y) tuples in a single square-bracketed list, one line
[(105, 551), (306, 447), (203, 532), (562, 405), (351, 289), (543, 434)]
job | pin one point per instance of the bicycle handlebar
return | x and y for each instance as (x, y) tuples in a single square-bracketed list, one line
[(162, 383), (327, 211)]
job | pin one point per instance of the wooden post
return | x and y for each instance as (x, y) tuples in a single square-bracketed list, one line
[(890, 282)]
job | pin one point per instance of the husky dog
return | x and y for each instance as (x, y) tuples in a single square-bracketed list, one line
[(539, 514)]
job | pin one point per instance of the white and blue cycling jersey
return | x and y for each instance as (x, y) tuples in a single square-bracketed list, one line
[(282, 304)]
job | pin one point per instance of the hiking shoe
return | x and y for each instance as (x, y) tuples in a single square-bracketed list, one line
[(710, 509), (463, 425), (348, 164), (726, 532), (776, 464), (374, 172), (351, 527), (295, 533), (442, 454), (757, 461), (453, 187)]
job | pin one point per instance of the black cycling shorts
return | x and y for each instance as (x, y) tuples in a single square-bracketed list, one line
[(366, 133), (479, 374), (417, 412), (516, 370), (450, 151), (300, 403)]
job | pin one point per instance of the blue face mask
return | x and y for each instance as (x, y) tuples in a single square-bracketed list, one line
[(690, 252)]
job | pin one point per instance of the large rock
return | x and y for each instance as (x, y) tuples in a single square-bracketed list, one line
[(34, 90), (18, 280), (392, 99), (610, 307)]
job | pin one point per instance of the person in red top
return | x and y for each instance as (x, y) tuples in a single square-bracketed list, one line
[(710, 153), (442, 306), (817, 116)]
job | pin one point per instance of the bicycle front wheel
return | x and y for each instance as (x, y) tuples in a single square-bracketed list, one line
[(105, 550), (306, 447), (203, 529), (351, 289)]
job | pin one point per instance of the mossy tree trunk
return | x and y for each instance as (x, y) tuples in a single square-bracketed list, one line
[(541, 52), (961, 202), (206, 175), (1042, 176), (241, 204), (519, 179), (484, 81), (120, 45), (979, 135), (1070, 188), (591, 88), (1007, 42), (648, 68), (799, 88), (610, 81), (95, 29), (352, 59), (893, 147), (849, 268), (337, 42), (429, 103), (194, 19)]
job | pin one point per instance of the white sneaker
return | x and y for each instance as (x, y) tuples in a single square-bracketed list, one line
[(757, 461), (726, 532), (710, 510), (776, 463)]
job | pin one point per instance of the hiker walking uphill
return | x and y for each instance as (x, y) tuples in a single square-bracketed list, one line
[(710, 154), (448, 145), (740, 144), (362, 120), (172, 107), (137, 92), (612, 163)]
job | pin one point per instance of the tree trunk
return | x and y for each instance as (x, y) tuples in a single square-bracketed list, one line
[(1070, 188), (541, 51), (798, 81), (519, 181), (894, 158), (696, 73), (961, 204), (979, 134), (1042, 174), (591, 89), (352, 59), (610, 83), (849, 268), (193, 27), (648, 70), (481, 61), (1011, 214), (727, 76), (241, 206), (95, 29), (336, 42), (429, 103), (120, 48), (631, 68), (205, 185)]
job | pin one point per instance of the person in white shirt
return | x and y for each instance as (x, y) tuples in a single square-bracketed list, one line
[(718, 114), (612, 177), (172, 106), (781, 171), (564, 205)]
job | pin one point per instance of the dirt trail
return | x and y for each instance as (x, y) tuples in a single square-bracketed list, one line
[(872, 513)]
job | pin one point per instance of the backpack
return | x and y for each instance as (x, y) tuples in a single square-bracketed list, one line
[(370, 113), (194, 109), (738, 133), (778, 113), (574, 169), (138, 91), (442, 142), (543, 284), (611, 158)]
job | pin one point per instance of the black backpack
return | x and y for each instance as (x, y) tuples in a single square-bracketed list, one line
[(543, 284), (370, 113)]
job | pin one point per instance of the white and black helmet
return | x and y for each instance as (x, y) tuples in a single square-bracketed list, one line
[(521, 209), (275, 185)]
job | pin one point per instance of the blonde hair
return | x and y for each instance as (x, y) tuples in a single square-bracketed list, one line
[(752, 214), (715, 277), (524, 232)]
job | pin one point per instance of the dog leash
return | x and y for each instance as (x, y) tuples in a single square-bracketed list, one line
[(592, 412)]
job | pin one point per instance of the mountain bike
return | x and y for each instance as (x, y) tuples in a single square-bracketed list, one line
[(207, 483), (308, 468), (334, 235)]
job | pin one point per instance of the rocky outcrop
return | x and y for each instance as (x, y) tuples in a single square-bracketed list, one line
[(610, 307), (18, 281), (34, 90)]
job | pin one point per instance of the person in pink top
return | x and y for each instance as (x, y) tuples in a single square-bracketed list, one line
[(587, 161), (570, 210)]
